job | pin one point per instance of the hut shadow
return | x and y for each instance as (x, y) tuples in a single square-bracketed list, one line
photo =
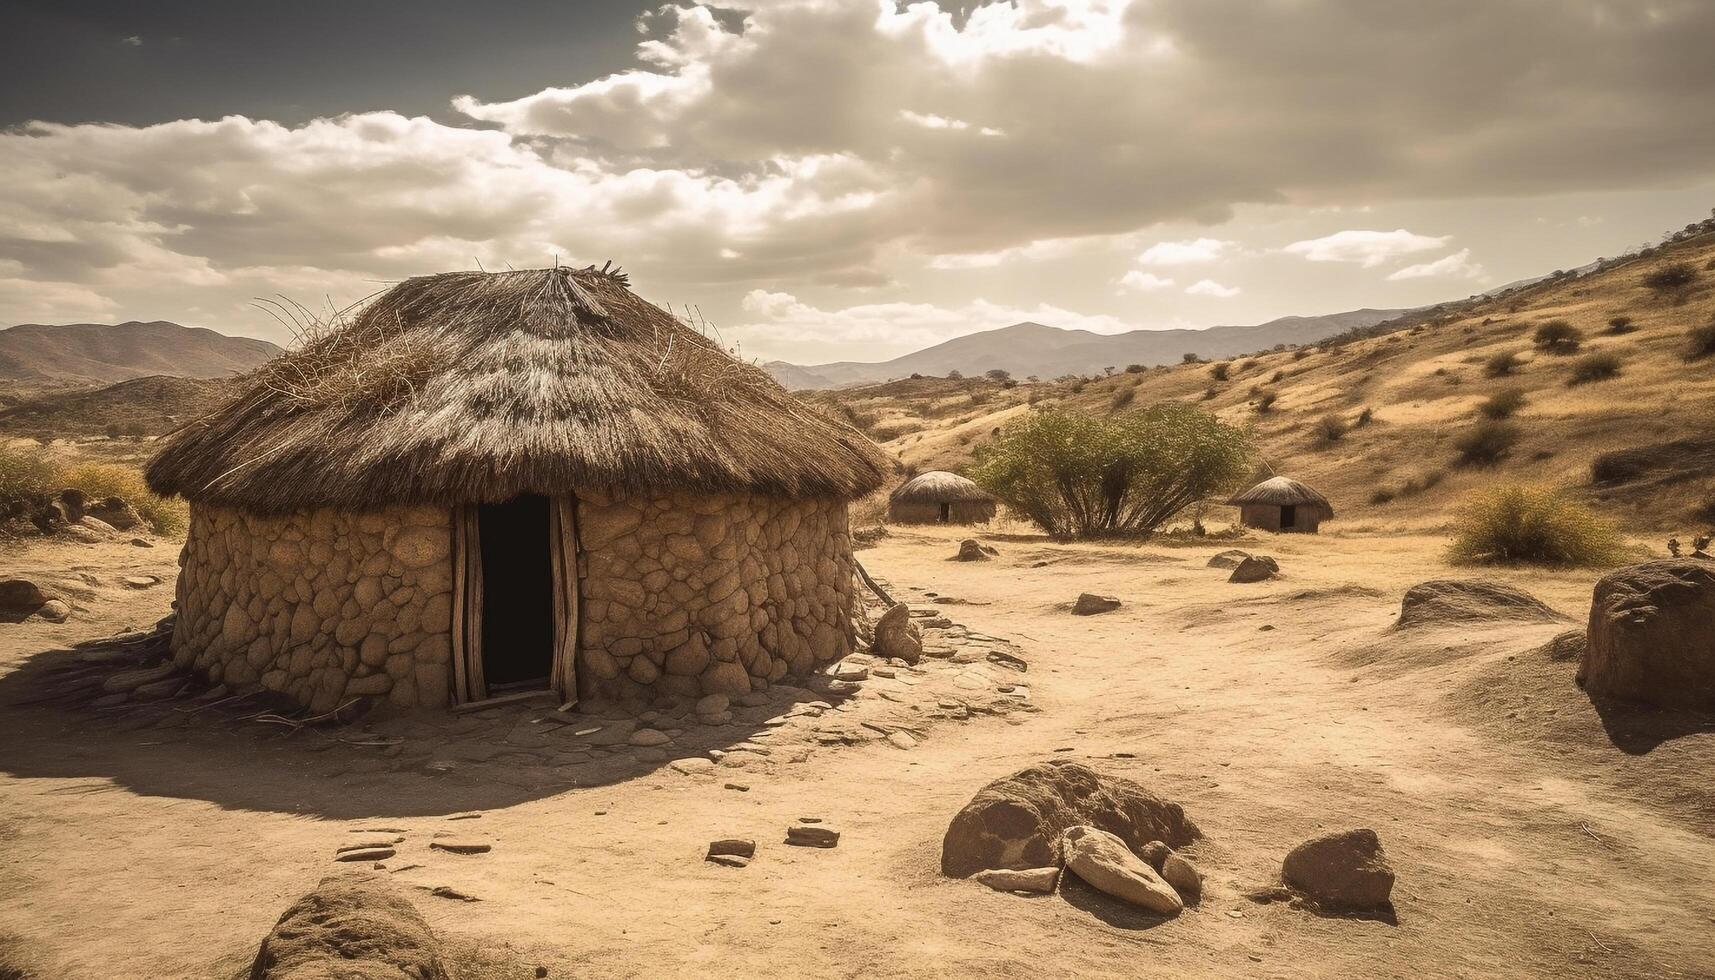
[(250, 754), (1121, 915), (1639, 729)]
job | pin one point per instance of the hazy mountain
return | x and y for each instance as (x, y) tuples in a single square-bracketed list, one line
[(1035, 349), (99, 353)]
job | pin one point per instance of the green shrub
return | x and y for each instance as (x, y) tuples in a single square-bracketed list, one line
[(1516, 524), (1700, 342), (1621, 324), (1487, 442), (1502, 364), (1079, 475), (1557, 337), (1331, 427), (1600, 366), (1502, 404)]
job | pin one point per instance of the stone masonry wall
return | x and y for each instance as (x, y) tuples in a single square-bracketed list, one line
[(693, 594), (320, 605)]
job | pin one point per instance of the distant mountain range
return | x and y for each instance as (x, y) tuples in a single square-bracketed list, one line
[(43, 355), (1026, 349)]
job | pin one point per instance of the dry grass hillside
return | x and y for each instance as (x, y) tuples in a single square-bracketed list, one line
[(141, 406), (1393, 429)]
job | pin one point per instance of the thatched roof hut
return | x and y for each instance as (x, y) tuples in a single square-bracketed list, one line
[(939, 497), (1282, 504), (485, 481)]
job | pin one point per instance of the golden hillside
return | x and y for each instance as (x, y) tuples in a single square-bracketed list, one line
[(1422, 387)]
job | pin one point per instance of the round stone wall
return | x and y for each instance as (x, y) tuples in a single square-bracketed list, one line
[(693, 594), (320, 605)]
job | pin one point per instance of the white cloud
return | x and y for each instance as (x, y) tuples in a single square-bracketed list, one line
[(1366, 248), (1455, 266), (1138, 281), (1191, 252), (1209, 287)]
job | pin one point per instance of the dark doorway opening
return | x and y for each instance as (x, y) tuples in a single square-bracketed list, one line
[(1289, 515), (946, 513), (517, 594)]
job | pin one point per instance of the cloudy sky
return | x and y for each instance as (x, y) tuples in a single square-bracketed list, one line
[(827, 179)]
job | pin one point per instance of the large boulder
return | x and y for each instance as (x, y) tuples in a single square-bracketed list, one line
[(1231, 558), (1452, 601), (1103, 861), (1089, 604), (19, 599), (1652, 635), (115, 512), (1016, 822), (352, 927), (1344, 870), (1256, 568), (971, 549), (896, 636)]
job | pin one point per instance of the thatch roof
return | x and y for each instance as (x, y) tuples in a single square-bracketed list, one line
[(1283, 491), (472, 386), (939, 486)]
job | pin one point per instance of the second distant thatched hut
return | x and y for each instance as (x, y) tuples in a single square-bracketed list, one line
[(1282, 504), (939, 497)]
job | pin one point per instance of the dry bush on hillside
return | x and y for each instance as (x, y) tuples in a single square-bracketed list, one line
[(1671, 281), (1700, 342), (1600, 366), (1122, 397), (1220, 371), (1210, 393), (1502, 364), (1557, 337), (1621, 324), (1515, 524), (1265, 400), (1487, 442), (28, 477), (1502, 404), (1135, 369), (1364, 418), (1331, 428)]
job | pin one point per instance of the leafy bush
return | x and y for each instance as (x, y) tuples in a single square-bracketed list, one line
[(1331, 427), (1515, 524), (1557, 337), (1700, 342), (1080, 475), (1485, 443), (1600, 366), (1501, 365), (1621, 324), (112, 480), (1502, 404), (1675, 277)]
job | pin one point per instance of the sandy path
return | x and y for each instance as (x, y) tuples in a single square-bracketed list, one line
[(1513, 859)]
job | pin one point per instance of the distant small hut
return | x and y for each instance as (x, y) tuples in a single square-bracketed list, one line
[(1282, 504), (939, 497), (494, 483)]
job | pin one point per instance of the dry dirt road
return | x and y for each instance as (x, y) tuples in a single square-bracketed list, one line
[(1532, 836)]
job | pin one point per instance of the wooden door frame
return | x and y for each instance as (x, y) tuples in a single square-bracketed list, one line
[(469, 687)]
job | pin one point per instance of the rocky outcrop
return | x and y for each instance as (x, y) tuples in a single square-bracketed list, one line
[(115, 512), (1016, 822), (1445, 601), (1346, 870), (321, 606), (352, 927), (694, 593), (1652, 635)]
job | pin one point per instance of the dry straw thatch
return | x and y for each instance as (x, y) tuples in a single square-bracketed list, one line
[(939, 486), (1283, 491), (471, 386)]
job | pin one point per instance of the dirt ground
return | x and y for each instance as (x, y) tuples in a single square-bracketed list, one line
[(1533, 836)]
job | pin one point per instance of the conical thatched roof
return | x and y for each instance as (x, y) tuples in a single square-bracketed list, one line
[(939, 486), (473, 386), (1283, 491)]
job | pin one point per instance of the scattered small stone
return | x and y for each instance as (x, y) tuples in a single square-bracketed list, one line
[(1348, 869), (738, 787), (365, 854), (142, 543), (692, 765), (460, 847), (1089, 604), (901, 740), (812, 837), (447, 891), (649, 737), (1230, 558), (851, 672), (465, 816), (971, 549), (728, 860), (713, 704), (1102, 860), (55, 611), (1256, 568), (1155, 852), (140, 581), (1183, 876), (896, 637), (1039, 881), (755, 699), (732, 846)]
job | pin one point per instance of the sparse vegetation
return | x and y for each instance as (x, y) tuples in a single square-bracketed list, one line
[(1621, 324), (1487, 442), (1700, 342), (1671, 280), (1599, 366), (1331, 428), (1502, 404), (1502, 364), (1220, 371), (1079, 475), (1265, 400), (27, 477), (1557, 337), (1364, 418), (1123, 397), (1515, 524), (1135, 369)]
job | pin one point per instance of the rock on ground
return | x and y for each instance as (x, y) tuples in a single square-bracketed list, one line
[(1179, 872), (1105, 862), (352, 927), (897, 637), (1040, 881), (19, 599), (971, 549), (1344, 870), (1089, 604), (1652, 635), (1443, 601), (1016, 822), (1256, 568), (1231, 558)]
